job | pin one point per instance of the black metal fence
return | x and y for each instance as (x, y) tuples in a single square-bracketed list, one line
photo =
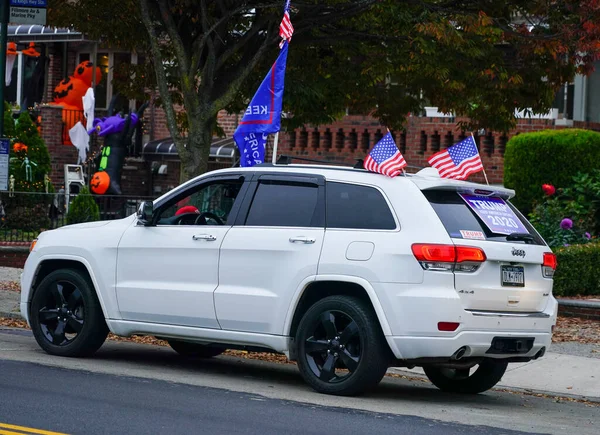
[(24, 215)]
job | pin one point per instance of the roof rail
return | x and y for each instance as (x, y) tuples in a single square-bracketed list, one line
[(287, 160)]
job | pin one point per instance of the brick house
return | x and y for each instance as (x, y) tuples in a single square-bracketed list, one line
[(152, 166)]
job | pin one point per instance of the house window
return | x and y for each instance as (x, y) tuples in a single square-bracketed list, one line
[(109, 62)]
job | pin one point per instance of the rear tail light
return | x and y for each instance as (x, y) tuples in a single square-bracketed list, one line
[(549, 264), (448, 257)]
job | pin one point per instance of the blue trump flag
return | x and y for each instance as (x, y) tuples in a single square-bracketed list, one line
[(263, 115)]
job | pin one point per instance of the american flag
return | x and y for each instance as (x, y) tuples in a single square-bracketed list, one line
[(385, 158), (459, 161), (286, 30)]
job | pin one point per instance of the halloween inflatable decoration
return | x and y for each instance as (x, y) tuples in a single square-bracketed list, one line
[(100, 182), (84, 72), (70, 91), (117, 132)]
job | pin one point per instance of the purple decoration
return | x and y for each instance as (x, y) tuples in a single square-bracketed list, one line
[(111, 125)]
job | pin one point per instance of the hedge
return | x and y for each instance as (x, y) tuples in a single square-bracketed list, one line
[(577, 272), (547, 157)]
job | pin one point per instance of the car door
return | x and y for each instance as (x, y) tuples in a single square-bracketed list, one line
[(270, 252), (167, 272)]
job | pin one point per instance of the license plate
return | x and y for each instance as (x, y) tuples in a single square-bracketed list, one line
[(513, 276)]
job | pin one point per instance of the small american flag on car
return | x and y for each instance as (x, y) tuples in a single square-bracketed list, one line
[(459, 161), (286, 30), (385, 158)]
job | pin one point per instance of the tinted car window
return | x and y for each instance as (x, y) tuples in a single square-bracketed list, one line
[(283, 205), (362, 207), (456, 215)]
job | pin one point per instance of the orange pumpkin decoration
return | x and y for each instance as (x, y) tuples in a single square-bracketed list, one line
[(100, 182), (84, 73), (70, 92)]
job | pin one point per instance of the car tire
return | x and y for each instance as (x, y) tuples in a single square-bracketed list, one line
[(341, 333), (65, 315), (195, 350), (482, 379)]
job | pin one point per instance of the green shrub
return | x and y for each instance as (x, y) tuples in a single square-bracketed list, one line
[(549, 156), (9, 122), (83, 208), (577, 271), (579, 205)]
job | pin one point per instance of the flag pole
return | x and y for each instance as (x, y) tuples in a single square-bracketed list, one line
[(483, 168), (275, 143)]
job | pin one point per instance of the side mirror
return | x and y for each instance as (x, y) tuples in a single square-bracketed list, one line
[(144, 213)]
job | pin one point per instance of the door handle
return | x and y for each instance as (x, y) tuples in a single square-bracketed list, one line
[(302, 239), (207, 237)]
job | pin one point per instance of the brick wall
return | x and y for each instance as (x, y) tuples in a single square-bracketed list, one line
[(13, 256), (52, 134), (159, 129), (349, 139), (589, 313)]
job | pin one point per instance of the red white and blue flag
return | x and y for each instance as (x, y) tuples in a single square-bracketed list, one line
[(459, 161), (263, 114), (286, 30), (385, 158)]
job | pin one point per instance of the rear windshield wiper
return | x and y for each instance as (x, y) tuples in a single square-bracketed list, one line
[(525, 237)]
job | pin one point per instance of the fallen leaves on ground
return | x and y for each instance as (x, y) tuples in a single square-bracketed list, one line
[(13, 286), (574, 329), (13, 323), (557, 399)]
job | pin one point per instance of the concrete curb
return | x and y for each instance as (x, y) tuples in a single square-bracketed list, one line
[(12, 315), (578, 303)]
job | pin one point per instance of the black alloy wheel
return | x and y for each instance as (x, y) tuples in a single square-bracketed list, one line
[(333, 351), (62, 317), (65, 314), (341, 348)]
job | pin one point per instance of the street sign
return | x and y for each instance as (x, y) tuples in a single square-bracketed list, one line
[(28, 11), (4, 153)]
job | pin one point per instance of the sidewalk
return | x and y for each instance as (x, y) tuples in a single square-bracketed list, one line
[(9, 300), (554, 373)]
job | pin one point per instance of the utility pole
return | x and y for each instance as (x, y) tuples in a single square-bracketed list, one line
[(4, 12)]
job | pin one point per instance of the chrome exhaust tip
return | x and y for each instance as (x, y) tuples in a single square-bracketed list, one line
[(459, 353)]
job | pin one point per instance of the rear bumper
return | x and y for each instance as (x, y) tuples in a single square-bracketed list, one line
[(476, 343)]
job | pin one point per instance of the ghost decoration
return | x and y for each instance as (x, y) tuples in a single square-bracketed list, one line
[(11, 55), (117, 132)]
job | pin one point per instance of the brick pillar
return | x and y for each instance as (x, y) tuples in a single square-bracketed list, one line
[(52, 131)]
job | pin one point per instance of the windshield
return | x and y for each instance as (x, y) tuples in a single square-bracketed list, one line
[(462, 222)]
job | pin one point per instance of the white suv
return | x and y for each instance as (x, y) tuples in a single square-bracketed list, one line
[(344, 271)]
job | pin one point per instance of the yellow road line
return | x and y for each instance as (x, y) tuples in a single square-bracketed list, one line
[(27, 430)]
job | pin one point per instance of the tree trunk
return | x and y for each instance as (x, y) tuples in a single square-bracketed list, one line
[(194, 149)]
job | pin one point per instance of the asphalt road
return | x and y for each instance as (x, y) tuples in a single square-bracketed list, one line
[(138, 389)]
